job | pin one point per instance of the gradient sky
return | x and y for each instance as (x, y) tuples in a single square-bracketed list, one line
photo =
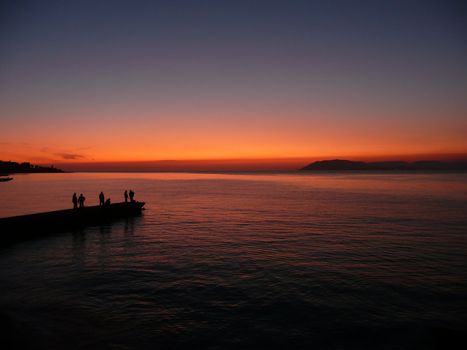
[(112, 81)]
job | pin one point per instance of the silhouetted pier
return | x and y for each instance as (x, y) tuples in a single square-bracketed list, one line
[(17, 228)]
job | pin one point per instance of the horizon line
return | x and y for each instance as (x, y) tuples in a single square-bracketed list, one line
[(237, 164)]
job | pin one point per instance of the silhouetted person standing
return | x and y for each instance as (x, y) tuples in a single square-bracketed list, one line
[(125, 194), (74, 200), (132, 195), (101, 198), (81, 200)]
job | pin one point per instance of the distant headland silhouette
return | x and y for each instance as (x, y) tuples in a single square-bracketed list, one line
[(342, 164), (15, 168)]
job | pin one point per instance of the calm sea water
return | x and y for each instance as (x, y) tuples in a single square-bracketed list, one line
[(327, 261)]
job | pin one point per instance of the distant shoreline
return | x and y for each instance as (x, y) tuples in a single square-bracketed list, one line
[(330, 166), (7, 168), (260, 172), (417, 166)]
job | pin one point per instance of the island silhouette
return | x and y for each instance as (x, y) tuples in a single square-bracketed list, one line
[(342, 164)]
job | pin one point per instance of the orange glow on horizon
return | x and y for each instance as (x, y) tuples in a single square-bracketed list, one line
[(280, 134)]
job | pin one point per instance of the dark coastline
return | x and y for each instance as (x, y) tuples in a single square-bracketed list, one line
[(417, 166), (25, 168)]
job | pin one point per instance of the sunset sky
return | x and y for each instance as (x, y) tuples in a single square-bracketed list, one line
[(89, 82)]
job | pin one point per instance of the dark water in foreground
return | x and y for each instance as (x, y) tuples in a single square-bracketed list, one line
[(332, 261)]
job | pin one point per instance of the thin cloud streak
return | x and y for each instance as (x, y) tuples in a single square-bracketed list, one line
[(70, 156)]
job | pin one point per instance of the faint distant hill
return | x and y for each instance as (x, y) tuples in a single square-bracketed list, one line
[(341, 164), (13, 167)]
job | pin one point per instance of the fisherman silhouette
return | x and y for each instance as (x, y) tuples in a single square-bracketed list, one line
[(107, 202), (81, 200), (125, 194), (101, 198), (132, 195), (74, 200)]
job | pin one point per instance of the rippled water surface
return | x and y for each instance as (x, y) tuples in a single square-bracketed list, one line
[(331, 261)]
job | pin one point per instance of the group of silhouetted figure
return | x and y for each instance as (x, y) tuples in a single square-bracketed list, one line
[(78, 202), (130, 194)]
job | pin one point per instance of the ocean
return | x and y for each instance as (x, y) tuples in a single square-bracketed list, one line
[(242, 261)]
